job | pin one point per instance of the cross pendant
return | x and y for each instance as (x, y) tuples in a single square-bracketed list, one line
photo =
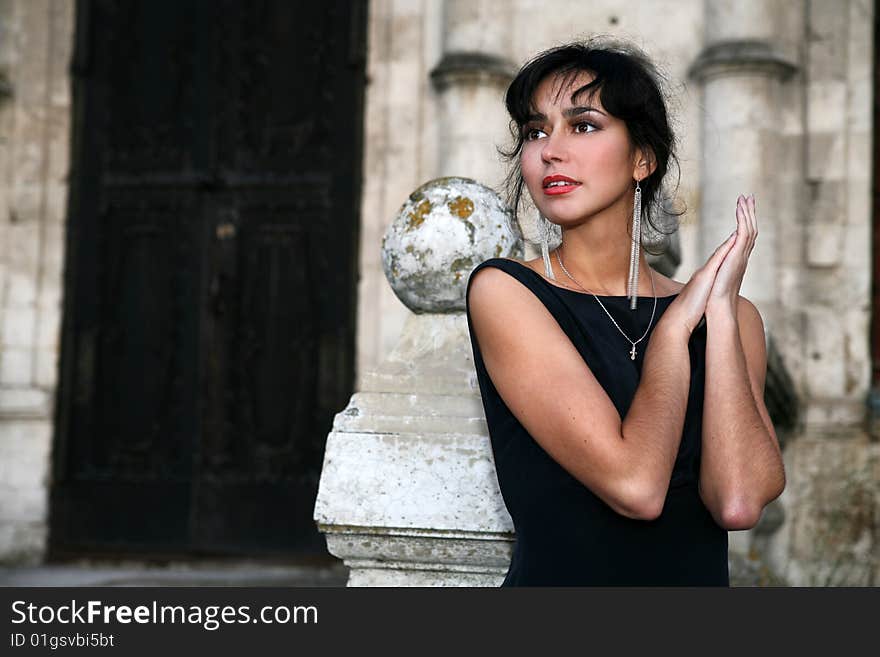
[(632, 353)]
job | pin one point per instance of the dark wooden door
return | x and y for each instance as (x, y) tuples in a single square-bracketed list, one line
[(210, 289)]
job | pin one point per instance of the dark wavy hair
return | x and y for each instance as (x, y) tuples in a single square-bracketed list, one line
[(629, 87)]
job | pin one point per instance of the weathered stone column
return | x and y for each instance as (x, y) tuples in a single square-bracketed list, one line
[(470, 80), (408, 492), (746, 149), (741, 69), (36, 39)]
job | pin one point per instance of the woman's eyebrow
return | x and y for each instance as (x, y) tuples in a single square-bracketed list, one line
[(574, 111), (567, 113)]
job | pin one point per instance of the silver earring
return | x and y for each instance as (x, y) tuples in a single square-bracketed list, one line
[(544, 233), (633, 285)]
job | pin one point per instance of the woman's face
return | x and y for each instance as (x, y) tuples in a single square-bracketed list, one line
[(580, 142)]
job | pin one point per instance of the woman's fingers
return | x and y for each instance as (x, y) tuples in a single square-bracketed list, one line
[(747, 221), (744, 226), (754, 217), (745, 210), (741, 234), (743, 237)]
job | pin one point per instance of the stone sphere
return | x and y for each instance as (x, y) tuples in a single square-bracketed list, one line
[(445, 228)]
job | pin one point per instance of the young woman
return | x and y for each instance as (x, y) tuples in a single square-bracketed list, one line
[(626, 412)]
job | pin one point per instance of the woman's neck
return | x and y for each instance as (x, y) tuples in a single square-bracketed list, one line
[(598, 258)]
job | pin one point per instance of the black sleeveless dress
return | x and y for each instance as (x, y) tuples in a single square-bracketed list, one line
[(565, 534)]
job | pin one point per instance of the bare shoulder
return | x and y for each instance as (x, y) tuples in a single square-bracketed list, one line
[(751, 327), (753, 340), (495, 278), (749, 308), (492, 291), (754, 343)]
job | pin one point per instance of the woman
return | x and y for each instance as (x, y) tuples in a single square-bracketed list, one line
[(626, 412)]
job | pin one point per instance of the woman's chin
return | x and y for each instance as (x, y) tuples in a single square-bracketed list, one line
[(566, 219)]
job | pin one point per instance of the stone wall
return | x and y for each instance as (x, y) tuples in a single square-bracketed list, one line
[(832, 500), (35, 49)]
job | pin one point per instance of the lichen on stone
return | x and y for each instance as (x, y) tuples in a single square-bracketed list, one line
[(461, 206), (461, 263), (471, 229), (417, 216)]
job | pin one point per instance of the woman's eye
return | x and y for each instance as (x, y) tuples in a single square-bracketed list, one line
[(584, 127)]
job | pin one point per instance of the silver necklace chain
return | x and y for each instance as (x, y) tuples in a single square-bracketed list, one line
[(632, 353)]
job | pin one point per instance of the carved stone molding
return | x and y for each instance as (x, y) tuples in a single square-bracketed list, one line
[(735, 57), (470, 68)]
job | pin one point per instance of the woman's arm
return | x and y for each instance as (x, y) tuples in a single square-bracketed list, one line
[(741, 468), (550, 389), (654, 423)]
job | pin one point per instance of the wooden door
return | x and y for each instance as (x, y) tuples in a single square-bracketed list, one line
[(209, 310)]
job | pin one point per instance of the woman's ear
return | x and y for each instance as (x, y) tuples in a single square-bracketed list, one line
[(644, 163)]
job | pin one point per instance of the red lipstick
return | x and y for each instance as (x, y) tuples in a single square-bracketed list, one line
[(561, 184)]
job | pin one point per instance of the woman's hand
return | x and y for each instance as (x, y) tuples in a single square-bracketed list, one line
[(725, 290), (690, 305)]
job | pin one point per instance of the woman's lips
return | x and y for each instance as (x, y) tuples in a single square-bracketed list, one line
[(560, 189)]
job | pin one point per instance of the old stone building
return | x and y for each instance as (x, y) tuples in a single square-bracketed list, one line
[(770, 97)]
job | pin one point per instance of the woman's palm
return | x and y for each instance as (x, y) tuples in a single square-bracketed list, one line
[(732, 270)]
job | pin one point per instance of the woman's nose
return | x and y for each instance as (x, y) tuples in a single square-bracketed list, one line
[(554, 148)]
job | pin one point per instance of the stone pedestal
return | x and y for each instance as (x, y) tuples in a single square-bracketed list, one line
[(408, 492)]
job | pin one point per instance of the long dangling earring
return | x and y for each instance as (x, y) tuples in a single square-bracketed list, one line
[(544, 233), (632, 290)]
